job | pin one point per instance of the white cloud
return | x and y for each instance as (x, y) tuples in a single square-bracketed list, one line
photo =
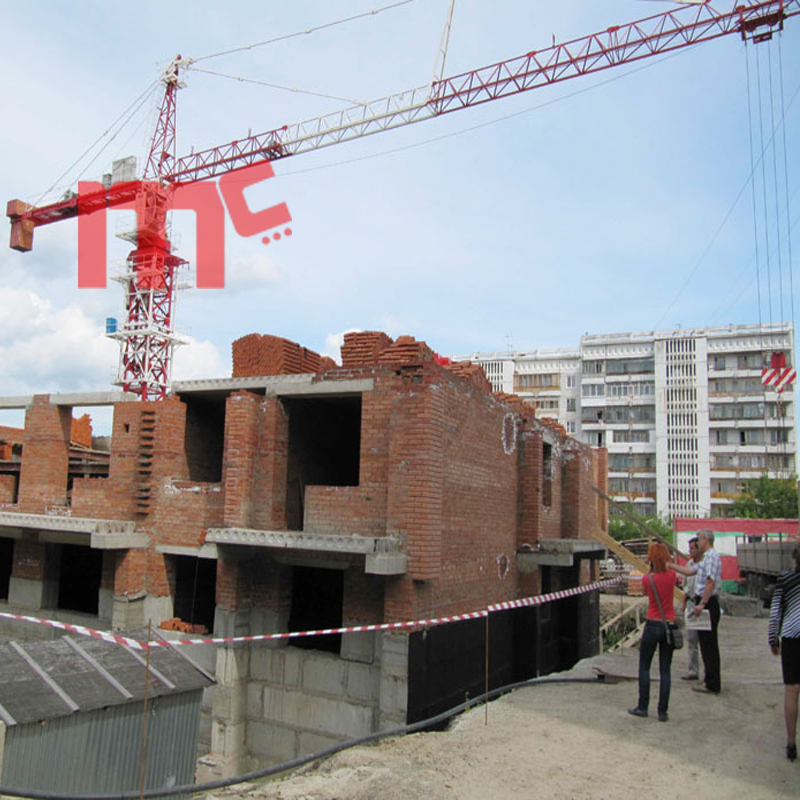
[(47, 349), (198, 359), (334, 342)]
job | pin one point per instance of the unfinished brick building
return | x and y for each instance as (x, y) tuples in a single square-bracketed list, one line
[(302, 495)]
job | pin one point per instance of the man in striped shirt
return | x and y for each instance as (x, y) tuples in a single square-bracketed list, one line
[(708, 579)]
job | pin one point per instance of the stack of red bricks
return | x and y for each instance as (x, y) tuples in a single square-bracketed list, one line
[(471, 372), (406, 350), (177, 624), (549, 422), (256, 355), (81, 432), (363, 348)]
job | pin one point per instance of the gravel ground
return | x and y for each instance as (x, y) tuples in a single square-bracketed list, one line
[(577, 741)]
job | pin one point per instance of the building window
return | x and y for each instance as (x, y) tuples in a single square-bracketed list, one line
[(570, 427), (627, 366), (547, 474), (594, 367), (631, 436), (593, 389), (572, 404), (571, 381), (317, 597), (537, 381), (622, 462), (749, 361), (718, 362)]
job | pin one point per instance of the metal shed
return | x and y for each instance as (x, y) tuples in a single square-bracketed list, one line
[(72, 716)]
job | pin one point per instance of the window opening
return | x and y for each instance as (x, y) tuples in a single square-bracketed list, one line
[(317, 597), (204, 437), (80, 571), (547, 474), (6, 563), (194, 589), (324, 448)]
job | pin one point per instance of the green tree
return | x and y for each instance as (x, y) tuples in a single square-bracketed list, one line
[(622, 527), (768, 498)]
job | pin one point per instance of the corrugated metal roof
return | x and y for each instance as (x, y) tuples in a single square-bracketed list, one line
[(45, 680)]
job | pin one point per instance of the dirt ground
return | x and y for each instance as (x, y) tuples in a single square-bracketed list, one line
[(577, 741)]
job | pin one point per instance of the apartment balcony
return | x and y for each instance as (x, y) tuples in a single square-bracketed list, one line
[(755, 449)]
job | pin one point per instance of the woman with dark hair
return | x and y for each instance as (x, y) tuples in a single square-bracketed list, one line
[(784, 639), (662, 581)]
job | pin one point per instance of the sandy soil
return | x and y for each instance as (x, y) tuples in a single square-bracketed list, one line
[(577, 741)]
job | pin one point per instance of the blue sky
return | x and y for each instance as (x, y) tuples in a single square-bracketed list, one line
[(602, 204)]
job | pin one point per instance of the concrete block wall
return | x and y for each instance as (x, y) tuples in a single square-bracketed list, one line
[(300, 701)]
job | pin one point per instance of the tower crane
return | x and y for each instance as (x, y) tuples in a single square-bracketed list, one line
[(147, 335)]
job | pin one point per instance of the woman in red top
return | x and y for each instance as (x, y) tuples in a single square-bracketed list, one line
[(655, 631)]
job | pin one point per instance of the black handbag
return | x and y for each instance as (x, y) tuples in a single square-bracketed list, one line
[(674, 633)]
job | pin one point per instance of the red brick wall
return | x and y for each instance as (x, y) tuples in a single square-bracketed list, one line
[(579, 508), (45, 456), (29, 560), (7, 486), (239, 458), (270, 585), (269, 491), (129, 572), (345, 510), (452, 495), (363, 598), (233, 584), (184, 511)]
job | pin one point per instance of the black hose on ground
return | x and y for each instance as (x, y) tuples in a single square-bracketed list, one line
[(297, 762)]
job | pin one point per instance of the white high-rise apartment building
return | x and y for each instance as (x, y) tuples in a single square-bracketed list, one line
[(683, 413)]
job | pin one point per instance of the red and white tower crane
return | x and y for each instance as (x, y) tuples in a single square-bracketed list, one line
[(147, 334)]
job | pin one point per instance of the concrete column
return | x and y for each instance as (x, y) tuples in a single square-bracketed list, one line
[(229, 755), (34, 578), (393, 699)]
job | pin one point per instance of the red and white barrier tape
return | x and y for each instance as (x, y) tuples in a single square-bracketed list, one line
[(537, 600)]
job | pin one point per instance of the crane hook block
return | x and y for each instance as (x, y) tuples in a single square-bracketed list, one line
[(21, 229)]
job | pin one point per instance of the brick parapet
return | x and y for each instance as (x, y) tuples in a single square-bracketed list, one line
[(45, 456), (345, 510), (184, 510), (8, 485), (271, 466), (239, 457)]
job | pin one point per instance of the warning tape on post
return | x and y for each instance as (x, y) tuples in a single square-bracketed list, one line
[(136, 644)]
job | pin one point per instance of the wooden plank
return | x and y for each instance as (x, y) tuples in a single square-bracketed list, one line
[(643, 525), (619, 549)]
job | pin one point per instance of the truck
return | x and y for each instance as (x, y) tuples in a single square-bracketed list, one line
[(762, 558)]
